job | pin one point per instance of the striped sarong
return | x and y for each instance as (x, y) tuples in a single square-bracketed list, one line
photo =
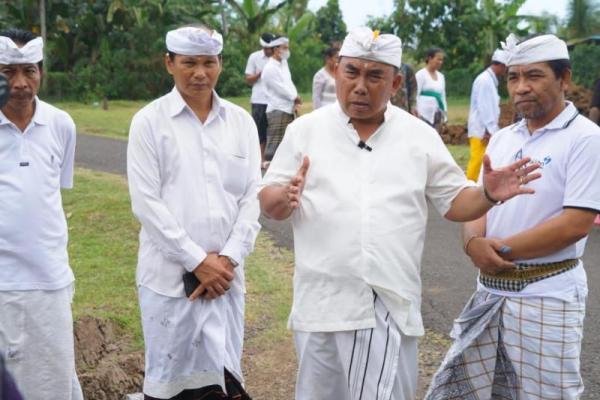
[(277, 122), (367, 364), (513, 348)]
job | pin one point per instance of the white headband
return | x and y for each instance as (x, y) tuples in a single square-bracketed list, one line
[(500, 56), (278, 42), (31, 53), (364, 43), (264, 44), (191, 41), (537, 49)]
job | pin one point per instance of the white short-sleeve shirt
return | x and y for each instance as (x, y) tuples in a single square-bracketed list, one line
[(361, 224), (34, 166), (256, 63), (568, 149)]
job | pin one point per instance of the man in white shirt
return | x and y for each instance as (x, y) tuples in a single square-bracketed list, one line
[(193, 164), (258, 100), (484, 111), (358, 206), (37, 147), (282, 95), (519, 336)]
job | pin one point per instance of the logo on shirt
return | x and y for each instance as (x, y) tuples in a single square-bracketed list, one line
[(544, 162)]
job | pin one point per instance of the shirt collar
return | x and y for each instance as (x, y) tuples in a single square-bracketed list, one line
[(342, 116), (177, 104), (39, 116), (561, 121)]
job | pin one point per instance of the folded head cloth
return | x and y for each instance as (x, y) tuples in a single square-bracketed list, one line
[(194, 41), (278, 41), (537, 49), (31, 53), (500, 56), (364, 43), (265, 39)]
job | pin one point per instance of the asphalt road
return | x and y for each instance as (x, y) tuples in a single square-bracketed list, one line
[(448, 278)]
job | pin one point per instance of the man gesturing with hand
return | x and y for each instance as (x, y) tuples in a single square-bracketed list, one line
[(355, 177)]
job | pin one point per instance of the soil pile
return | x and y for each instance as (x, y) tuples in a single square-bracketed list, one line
[(106, 367)]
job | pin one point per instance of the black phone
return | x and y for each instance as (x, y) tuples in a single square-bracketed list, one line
[(190, 283)]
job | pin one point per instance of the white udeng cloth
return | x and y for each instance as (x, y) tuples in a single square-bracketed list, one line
[(192, 41), (36, 338), (534, 50), (31, 53), (364, 43), (375, 364), (189, 343)]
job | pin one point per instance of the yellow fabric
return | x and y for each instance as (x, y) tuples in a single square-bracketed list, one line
[(477, 151)]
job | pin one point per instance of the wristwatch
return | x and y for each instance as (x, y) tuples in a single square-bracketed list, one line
[(232, 261)]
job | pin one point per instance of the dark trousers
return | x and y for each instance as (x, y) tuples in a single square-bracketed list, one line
[(235, 391)]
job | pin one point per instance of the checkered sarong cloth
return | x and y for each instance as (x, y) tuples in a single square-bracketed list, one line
[(514, 348), (277, 122)]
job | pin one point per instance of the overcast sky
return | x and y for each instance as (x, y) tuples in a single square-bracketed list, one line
[(356, 11)]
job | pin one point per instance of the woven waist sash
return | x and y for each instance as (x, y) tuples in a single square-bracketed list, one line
[(517, 279)]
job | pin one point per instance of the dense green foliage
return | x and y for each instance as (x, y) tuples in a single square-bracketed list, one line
[(585, 60), (114, 49)]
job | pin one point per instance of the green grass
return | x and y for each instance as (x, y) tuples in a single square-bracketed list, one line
[(103, 242), (460, 154), (91, 119)]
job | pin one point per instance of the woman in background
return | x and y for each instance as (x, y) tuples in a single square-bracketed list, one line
[(323, 88), (431, 90)]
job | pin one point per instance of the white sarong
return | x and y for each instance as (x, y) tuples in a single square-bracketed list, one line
[(188, 344), (514, 348), (367, 364), (36, 340)]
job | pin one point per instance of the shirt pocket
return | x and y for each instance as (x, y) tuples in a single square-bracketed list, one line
[(235, 173)]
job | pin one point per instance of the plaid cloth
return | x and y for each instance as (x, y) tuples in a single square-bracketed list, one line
[(514, 348), (276, 125), (525, 274)]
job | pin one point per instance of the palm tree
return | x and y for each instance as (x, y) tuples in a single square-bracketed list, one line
[(582, 18)]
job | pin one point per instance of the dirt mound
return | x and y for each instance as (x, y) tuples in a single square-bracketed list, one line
[(454, 134), (581, 97), (507, 114), (106, 367)]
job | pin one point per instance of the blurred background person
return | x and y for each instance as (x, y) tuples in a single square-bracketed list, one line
[(258, 100), (431, 90), (406, 96), (484, 111), (323, 87)]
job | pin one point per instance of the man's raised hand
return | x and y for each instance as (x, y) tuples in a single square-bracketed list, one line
[(505, 183), (296, 185)]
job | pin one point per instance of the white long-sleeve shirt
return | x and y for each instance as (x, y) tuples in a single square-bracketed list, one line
[(256, 63), (361, 223), (281, 91), (193, 187), (484, 111), (426, 105)]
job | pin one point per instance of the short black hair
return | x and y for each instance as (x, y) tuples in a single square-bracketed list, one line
[(431, 52), (497, 63), (21, 37), (267, 37), (330, 52)]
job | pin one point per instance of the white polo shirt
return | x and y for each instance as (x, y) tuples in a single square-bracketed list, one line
[(192, 186), (568, 149), (34, 165), (484, 111), (281, 91), (361, 224), (256, 63)]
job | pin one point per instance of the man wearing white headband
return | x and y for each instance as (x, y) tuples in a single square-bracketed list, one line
[(37, 148), (484, 112), (355, 177), (193, 164), (519, 336), (258, 100), (282, 97)]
